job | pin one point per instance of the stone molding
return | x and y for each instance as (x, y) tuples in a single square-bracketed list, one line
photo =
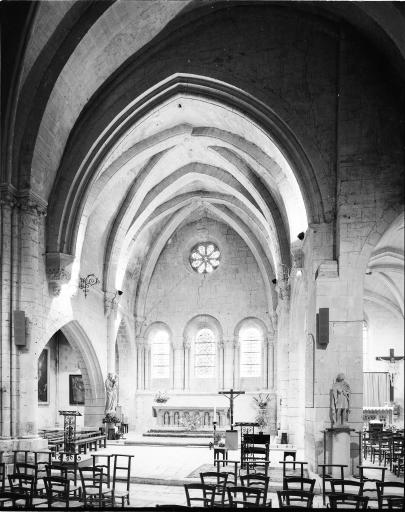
[(26, 201), (58, 271)]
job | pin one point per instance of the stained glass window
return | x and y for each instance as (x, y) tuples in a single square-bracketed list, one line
[(160, 355), (204, 354), (250, 353), (205, 257)]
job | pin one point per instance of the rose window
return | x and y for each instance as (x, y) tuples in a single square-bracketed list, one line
[(205, 257)]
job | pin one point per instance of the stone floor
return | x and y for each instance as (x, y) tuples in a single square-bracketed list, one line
[(159, 471)]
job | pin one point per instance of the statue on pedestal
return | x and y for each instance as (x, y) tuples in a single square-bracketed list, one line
[(111, 389), (340, 401)]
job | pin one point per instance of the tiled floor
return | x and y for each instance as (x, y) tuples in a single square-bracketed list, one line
[(159, 472)]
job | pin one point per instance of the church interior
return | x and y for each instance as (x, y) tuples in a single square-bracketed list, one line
[(202, 241)]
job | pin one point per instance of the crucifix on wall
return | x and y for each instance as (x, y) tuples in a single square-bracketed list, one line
[(392, 360), (231, 394)]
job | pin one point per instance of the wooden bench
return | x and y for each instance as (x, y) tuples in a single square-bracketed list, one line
[(91, 443)]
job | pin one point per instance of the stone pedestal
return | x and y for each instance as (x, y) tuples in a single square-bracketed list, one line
[(340, 439)]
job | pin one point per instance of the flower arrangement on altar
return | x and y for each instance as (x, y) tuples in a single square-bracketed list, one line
[(111, 418), (161, 397), (261, 402)]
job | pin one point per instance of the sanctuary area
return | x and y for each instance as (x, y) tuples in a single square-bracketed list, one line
[(202, 236)]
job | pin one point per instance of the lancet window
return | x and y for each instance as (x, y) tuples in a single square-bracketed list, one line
[(250, 352), (205, 354), (160, 355)]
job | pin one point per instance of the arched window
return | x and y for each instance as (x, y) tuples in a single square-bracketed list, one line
[(250, 352), (205, 353), (160, 354)]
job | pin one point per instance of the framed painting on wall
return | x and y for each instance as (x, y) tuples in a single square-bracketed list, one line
[(76, 390), (43, 377)]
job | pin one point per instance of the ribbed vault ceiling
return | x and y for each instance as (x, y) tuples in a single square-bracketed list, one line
[(186, 158)]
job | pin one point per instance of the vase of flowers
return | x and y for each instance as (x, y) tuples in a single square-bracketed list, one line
[(261, 402), (161, 397)]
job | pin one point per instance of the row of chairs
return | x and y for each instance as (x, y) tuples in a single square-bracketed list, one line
[(386, 448), (41, 483), (206, 495)]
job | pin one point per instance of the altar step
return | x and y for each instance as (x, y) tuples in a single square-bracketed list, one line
[(204, 434)]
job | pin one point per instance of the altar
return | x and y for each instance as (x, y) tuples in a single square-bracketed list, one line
[(191, 413), (382, 414)]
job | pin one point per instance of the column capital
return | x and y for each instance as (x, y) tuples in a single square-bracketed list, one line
[(58, 270), (32, 204), (187, 340), (140, 326)]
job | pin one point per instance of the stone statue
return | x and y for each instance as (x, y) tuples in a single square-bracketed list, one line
[(340, 401), (111, 389)]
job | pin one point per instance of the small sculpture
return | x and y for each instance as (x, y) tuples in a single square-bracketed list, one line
[(111, 389), (340, 401)]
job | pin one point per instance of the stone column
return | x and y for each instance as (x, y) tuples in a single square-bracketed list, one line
[(8, 204), (270, 364), (178, 364), (236, 363), (283, 305), (228, 355), (140, 357), (110, 308), (220, 365), (32, 217), (186, 359)]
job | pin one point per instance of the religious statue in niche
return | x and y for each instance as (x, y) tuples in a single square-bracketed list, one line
[(111, 389), (340, 401)]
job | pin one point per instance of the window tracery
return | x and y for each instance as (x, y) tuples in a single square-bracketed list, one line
[(205, 257)]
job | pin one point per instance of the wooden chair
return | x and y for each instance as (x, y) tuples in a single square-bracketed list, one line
[(244, 497), (58, 493), (327, 476), (255, 446), (24, 485), (257, 467), (219, 480), (201, 495), (377, 477), (31, 469), (395, 503), (295, 498), (339, 486), (121, 494), (347, 501), (381, 447), (230, 468), (12, 500), (103, 461), (94, 492), (62, 471), (388, 490), (257, 481), (291, 483)]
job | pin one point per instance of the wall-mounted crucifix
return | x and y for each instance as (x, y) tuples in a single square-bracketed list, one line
[(232, 395), (392, 359)]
